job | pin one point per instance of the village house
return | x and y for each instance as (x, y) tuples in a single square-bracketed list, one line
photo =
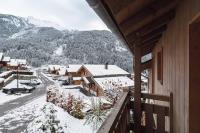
[(97, 79), (168, 30), (14, 64)]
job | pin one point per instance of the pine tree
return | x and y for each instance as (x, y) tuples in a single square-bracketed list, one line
[(70, 100)]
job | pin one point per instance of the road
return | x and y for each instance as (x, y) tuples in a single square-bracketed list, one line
[(38, 92)]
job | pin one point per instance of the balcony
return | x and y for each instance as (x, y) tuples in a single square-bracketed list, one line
[(156, 115)]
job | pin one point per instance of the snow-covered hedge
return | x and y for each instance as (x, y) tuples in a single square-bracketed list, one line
[(69, 103)]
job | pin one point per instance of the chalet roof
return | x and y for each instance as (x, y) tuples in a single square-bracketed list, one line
[(54, 67), (100, 70), (16, 62), (6, 59), (136, 22), (73, 68), (114, 82)]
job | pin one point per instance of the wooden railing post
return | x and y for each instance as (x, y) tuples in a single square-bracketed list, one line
[(171, 112), (137, 91)]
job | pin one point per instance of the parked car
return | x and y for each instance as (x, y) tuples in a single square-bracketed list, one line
[(33, 82), (27, 89)]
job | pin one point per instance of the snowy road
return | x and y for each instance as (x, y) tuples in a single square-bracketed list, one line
[(9, 124)]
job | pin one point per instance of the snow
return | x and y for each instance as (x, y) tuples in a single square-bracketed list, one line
[(99, 70), (108, 82), (1, 80), (73, 68), (6, 59), (119, 48), (22, 114), (85, 80), (58, 51), (43, 23), (1, 56), (77, 78), (6, 98), (16, 62), (13, 84), (5, 73)]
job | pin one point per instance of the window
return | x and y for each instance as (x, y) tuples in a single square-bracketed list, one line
[(160, 66)]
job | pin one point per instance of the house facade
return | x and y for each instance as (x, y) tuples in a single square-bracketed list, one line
[(168, 30), (96, 79)]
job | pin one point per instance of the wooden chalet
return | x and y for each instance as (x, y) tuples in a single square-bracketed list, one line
[(97, 78), (169, 30)]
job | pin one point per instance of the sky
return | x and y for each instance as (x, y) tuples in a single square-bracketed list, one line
[(70, 14)]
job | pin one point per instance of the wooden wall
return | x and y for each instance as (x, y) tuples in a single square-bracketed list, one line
[(175, 43)]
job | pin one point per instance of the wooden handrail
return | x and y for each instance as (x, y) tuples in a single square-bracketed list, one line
[(154, 96), (110, 123)]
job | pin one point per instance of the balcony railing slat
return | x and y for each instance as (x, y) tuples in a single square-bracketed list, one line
[(149, 118)]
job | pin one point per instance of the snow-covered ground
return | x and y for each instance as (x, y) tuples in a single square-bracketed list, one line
[(6, 98), (19, 117)]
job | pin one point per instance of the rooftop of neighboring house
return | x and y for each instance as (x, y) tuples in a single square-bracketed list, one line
[(73, 68), (6, 59), (112, 82), (16, 62), (55, 67), (105, 70)]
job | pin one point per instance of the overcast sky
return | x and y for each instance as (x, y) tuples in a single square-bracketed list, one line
[(71, 14)]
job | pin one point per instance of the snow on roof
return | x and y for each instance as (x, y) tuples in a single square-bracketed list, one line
[(6, 59), (114, 82), (1, 80), (85, 80), (62, 71), (1, 56), (77, 78), (16, 62), (73, 68), (21, 61), (54, 67), (13, 62), (5, 73), (99, 70)]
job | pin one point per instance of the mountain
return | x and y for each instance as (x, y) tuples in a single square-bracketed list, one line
[(19, 38)]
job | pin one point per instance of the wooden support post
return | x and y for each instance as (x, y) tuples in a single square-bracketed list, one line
[(137, 91)]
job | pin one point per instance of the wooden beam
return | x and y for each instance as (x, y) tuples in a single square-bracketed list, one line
[(146, 65), (157, 23), (137, 94), (152, 38), (146, 16), (131, 8), (148, 48)]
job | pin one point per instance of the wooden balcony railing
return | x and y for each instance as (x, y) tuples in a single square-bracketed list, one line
[(156, 115)]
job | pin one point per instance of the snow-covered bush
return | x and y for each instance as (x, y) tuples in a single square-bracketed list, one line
[(72, 105), (77, 109), (47, 121), (97, 115)]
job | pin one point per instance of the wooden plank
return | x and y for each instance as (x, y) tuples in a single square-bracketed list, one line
[(144, 17), (161, 120), (148, 48), (152, 38), (156, 108), (171, 112), (137, 91), (156, 97), (149, 118)]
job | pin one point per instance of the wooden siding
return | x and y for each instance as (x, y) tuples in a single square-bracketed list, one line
[(175, 43)]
